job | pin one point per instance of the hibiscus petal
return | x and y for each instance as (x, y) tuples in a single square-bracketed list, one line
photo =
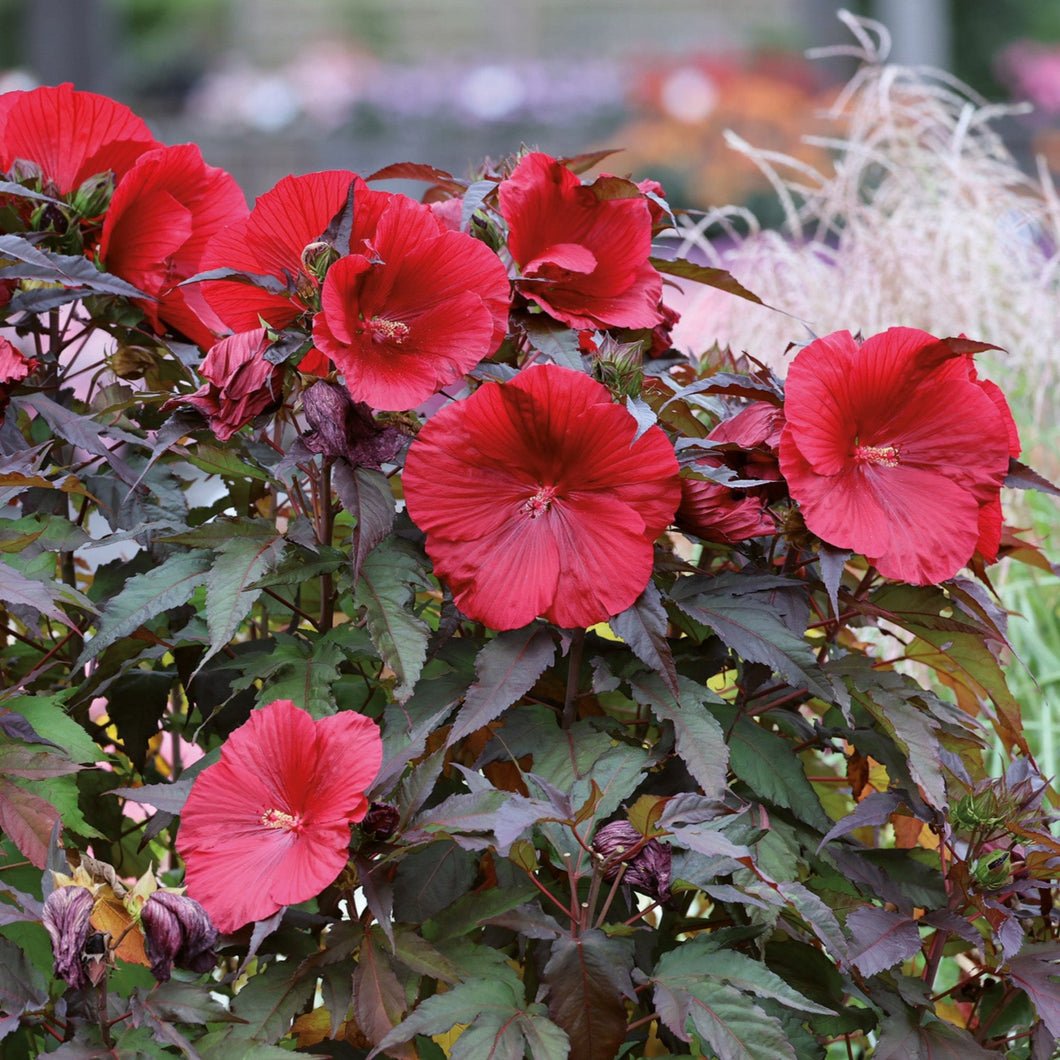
[(71, 135)]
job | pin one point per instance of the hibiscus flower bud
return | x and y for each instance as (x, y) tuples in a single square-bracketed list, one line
[(66, 919), (318, 257), (381, 820), (993, 871), (93, 195), (619, 366), (647, 861), (177, 931)]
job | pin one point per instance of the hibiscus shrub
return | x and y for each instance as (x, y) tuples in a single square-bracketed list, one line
[(408, 653)]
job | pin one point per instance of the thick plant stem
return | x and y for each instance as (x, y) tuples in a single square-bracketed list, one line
[(325, 522), (574, 666)]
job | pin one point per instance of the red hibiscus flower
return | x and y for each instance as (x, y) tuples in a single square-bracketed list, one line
[(412, 309), (240, 383), (269, 824), (536, 500), (272, 241), (892, 448), (990, 515), (583, 256), (14, 367), (715, 511), (70, 135), (163, 212)]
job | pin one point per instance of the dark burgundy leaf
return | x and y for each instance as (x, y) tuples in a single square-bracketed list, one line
[(588, 981), (880, 939), (507, 668)]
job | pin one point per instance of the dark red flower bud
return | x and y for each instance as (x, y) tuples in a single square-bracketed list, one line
[(177, 931), (240, 383), (381, 820), (66, 918), (647, 861)]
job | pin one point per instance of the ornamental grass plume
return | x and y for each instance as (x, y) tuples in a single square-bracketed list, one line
[(925, 215)]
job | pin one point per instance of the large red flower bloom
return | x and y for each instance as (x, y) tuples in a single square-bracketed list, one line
[(715, 511), (272, 241), (583, 255), (536, 500), (268, 825), (892, 448), (71, 135), (163, 212), (412, 309)]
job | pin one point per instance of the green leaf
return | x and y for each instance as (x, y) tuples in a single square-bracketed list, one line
[(366, 494), (47, 716), (269, 1001), (726, 1019), (555, 340), (500, 1026), (507, 668), (470, 912), (766, 762), (959, 647), (386, 591), (224, 462), (301, 668), (146, 596), (238, 563), (224, 1045), (705, 274), (588, 981), (700, 740)]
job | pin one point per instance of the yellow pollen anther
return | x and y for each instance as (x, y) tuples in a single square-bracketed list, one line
[(279, 819), (540, 502), (384, 330), (884, 455)]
